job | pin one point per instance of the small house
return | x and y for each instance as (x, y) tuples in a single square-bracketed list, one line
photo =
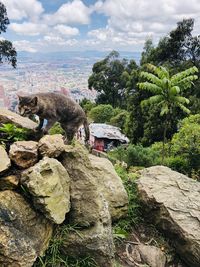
[(104, 137)]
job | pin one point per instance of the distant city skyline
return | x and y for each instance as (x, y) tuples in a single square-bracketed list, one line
[(103, 25)]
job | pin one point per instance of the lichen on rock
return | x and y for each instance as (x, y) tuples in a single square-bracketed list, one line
[(48, 183), (24, 234)]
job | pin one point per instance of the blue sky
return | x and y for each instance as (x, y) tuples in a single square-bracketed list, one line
[(63, 25)]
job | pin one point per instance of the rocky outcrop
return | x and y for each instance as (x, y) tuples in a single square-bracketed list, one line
[(88, 181), (89, 209), (110, 184), (74, 188), (7, 116), (96, 240), (24, 153), (172, 202), (51, 145), (85, 201), (24, 234), (48, 183), (145, 255), (4, 160)]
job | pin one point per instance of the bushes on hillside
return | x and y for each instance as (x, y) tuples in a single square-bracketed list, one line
[(135, 155)]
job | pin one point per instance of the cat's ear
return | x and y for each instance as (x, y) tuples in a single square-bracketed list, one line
[(34, 101), (20, 97)]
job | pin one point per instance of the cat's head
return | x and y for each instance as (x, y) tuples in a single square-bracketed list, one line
[(28, 105)]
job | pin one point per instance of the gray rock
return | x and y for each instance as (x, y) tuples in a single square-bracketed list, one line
[(51, 145), (90, 177), (85, 197), (172, 201), (111, 186), (4, 160), (24, 153), (7, 116), (149, 255), (48, 183), (24, 234), (90, 209), (95, 241)]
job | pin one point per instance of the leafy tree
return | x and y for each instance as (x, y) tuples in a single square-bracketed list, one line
[(7, 51), (119, 120), (107, 79), (148, 52), (186, 141), (101, 113), (167, 91), (87, 105), (174, 49)]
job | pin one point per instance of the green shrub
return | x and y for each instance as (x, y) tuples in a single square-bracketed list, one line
[(87, 105), (56, 129), (119, 120), (137, 155), (178, 164), (101, 113), (133, 217), (10, 133), (186, 143), (119, 153)]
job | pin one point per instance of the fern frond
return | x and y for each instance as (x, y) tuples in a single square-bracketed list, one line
[(181, 75), (151, 77), (152, 100), (183, 108), (150, 87), (186, 82), (182, 100), (175, 90), (164, 110)]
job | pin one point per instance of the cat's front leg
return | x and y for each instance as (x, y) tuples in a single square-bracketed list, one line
[(50, 123), (39, 127)]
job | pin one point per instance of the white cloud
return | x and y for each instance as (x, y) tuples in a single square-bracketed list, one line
[(28, 28), (57, 41), (131, 21), (24, 45), (20, 9), (66, 30), (74, 12)]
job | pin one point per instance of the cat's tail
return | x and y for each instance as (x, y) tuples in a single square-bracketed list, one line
[(87, 130)]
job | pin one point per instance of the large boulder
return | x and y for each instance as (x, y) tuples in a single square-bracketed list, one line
[(95, 241), (111, 186), (4, 160), (85, 197), (51, 145), (48, 183), (7, 116), (88, 181), (24, 234), (172, 202), (90, 209), (24, 153)]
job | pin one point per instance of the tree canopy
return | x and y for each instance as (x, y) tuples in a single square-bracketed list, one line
[(108, 78), (7, 51)]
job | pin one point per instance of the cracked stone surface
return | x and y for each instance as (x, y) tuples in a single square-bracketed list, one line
[(172, 202)]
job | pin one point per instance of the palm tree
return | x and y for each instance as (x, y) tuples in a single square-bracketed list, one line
[(167, 91)]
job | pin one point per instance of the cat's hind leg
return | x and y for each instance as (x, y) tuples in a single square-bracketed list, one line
[(70, 132)]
